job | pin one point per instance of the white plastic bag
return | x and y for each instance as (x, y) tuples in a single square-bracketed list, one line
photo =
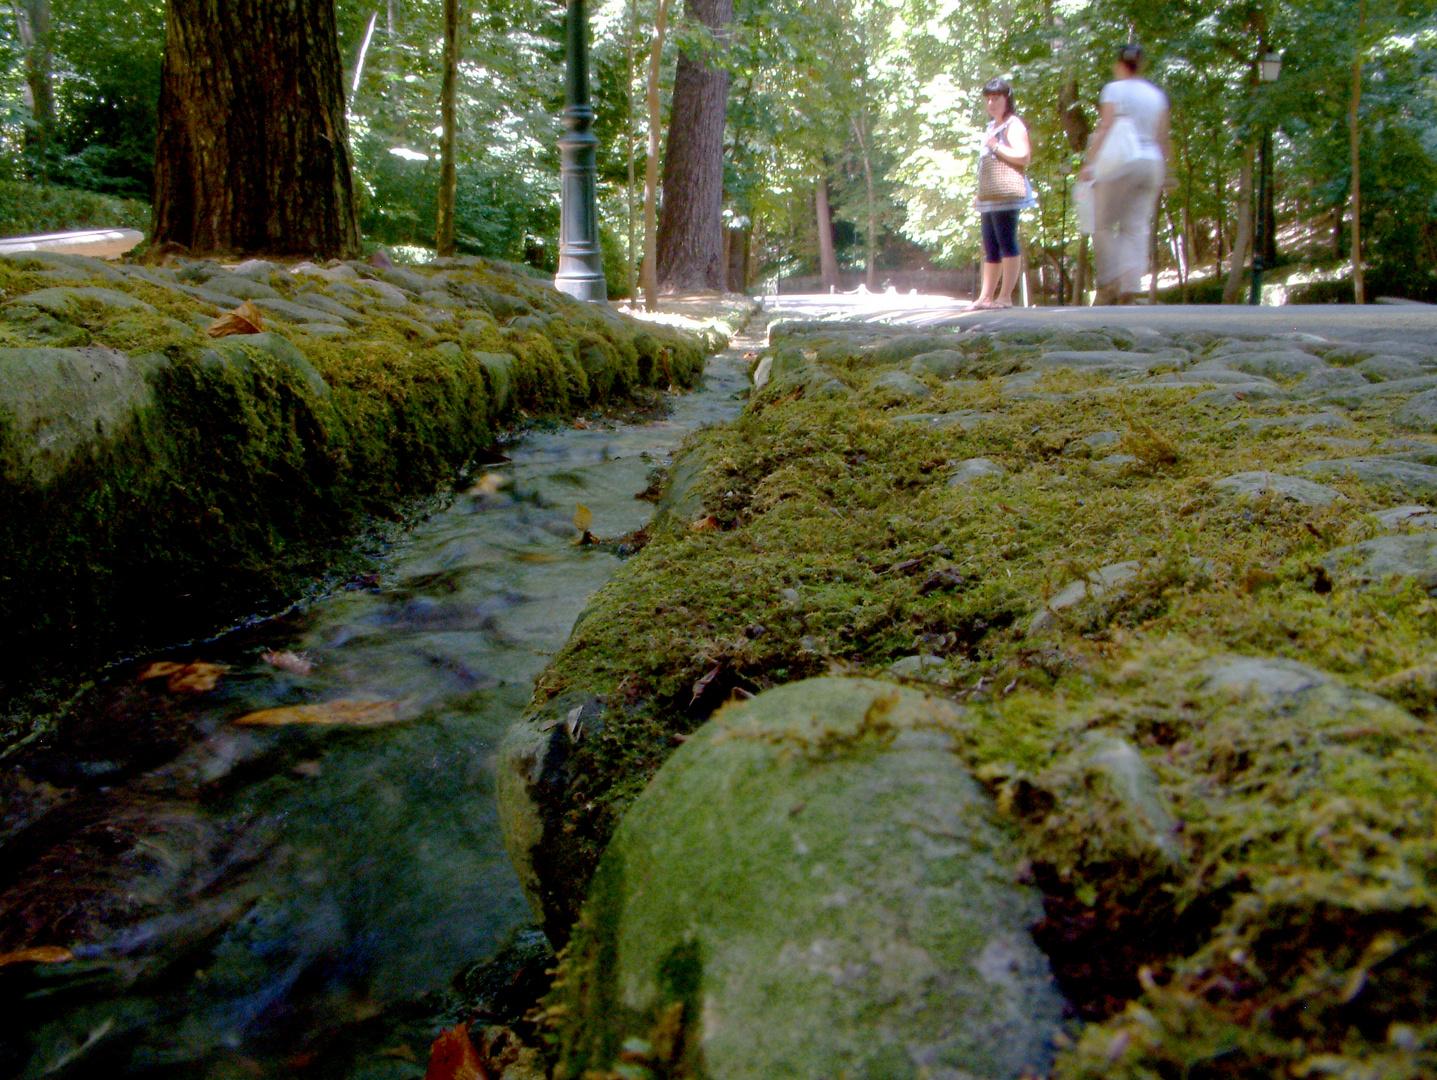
[(1119, 149), (1083, 205)]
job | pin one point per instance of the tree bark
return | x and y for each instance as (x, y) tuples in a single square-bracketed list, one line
[(252, 153), (860, 131), (32, 21), (1242, 243), (690, 240), (631, 48), (1354, 135), (651, 166), (448, 175), (827, 258)]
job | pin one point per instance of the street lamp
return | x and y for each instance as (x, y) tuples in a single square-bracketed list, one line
[(581, 260), (1269, 67)]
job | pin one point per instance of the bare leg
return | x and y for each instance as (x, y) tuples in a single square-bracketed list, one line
[(1010, 280), (990, 283)]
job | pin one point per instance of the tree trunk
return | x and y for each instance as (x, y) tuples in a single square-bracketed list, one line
[(1242, 243), (252, 153), (870, 277), (827, 259), (1354, 135), (690, 241), (32, 21), (631, 48), (363, 54), (448, 178), (651, 168)]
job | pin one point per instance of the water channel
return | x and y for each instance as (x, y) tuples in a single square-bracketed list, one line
[(295, 900)]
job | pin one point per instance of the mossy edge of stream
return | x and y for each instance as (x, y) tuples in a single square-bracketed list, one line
[(819, 535), (245, 482)]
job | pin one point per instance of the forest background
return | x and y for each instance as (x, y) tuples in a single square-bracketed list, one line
[(851, 134)]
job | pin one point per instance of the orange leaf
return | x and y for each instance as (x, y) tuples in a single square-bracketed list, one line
[(294, 663), (453, 1057), (196, 677), (244, 319), (40, 954), (489, 484), (356, 713), (704, 524)]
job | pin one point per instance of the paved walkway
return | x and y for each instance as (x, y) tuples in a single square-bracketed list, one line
[(1349, 322)]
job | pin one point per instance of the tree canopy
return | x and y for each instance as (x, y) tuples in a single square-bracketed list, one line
[(878, 99)]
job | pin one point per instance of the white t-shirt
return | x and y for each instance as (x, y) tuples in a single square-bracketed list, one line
[(1143, 104)]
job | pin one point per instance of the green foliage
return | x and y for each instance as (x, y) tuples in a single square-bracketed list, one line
[(41, 208)]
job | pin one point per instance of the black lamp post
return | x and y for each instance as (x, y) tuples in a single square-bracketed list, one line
[(581, 260), (1268, 69)]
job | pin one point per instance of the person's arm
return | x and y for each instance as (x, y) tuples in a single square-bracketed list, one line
[(1107, 112), (1019, 150)]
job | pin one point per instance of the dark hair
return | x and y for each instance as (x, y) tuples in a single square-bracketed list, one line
[(999, 88), (1131, 56)]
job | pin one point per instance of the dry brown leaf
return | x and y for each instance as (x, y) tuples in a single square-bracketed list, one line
[(355, 713), (39, 954), (453, 1057), (294, 663), (244, 319), (196, 677), (489, 484), (704, 524)]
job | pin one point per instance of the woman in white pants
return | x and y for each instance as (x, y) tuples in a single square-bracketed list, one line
[(1123, 202)]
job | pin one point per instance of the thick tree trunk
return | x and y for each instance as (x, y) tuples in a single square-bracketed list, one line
[(1354, 135), (1242, 243), (32, 22), (252, 154), (690, 251), (448, 175), (650, 272), (827, 258)]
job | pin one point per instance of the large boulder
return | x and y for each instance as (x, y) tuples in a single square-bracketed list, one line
[(813, 887)]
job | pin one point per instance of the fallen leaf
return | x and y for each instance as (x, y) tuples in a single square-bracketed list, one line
[(244, 319), (703, 684), (453, 1057), (294, 663), (39, 954), (196, 677), (489, 484), (583, 518), (355, 713), (704, 524)]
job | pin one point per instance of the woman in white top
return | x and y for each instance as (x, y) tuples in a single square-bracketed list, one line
[(1124, 202), (1006, 140)]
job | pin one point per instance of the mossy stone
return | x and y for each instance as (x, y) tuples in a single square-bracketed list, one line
[(57, 401), (817, 888), (65, 300), (244, 348), (499, 370)]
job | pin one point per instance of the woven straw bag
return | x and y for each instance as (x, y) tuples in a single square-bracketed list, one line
[(999, 180)]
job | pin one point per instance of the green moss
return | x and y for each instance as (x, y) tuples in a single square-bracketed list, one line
[(840, 547)]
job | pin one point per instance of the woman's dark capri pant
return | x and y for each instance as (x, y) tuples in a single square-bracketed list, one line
[(1000, 235)]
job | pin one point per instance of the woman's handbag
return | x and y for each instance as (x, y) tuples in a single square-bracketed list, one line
[(999, 180), (1119, 149)]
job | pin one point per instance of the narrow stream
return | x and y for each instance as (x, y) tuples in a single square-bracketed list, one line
[(249, 900)]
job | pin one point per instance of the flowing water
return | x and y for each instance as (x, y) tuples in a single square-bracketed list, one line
[(250, 900)]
